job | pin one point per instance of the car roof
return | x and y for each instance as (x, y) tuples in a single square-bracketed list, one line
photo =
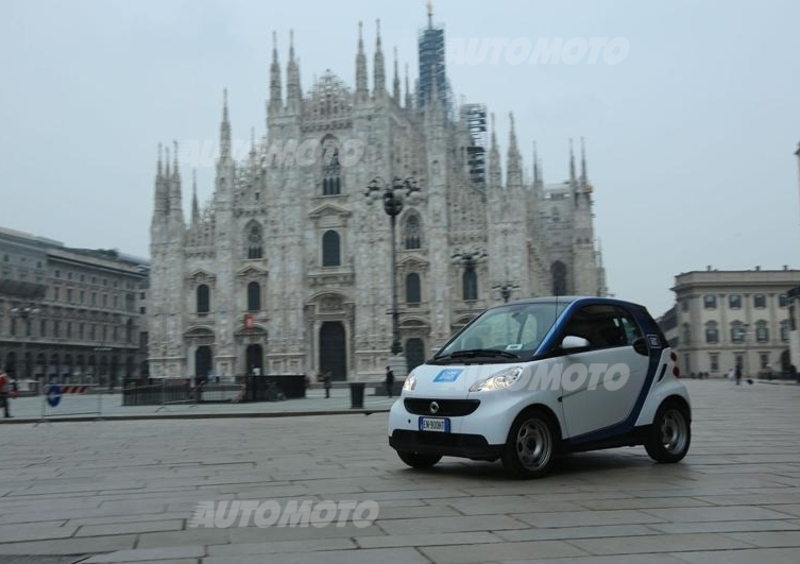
[(571, 299)]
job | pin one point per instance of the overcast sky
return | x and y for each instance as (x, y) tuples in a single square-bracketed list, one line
[(690, 137)]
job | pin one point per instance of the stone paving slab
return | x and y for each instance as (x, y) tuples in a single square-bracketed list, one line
[(124, 491)]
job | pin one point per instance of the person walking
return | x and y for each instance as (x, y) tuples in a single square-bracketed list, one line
[(326, 379), (738, 373), (5, 393), (389, 381)]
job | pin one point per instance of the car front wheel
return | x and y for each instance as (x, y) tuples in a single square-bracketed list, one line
[(416, 460), (531, 445), (670, 434)]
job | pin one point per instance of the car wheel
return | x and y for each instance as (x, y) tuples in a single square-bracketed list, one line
[(670, 435), (416, 460), (531, 445)]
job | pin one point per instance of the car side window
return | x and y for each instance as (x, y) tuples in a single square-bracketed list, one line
[(604, 326), (629, 326)]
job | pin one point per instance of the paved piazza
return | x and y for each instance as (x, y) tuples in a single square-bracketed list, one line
[(124, 491)]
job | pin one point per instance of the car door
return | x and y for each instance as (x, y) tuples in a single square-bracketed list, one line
[(600, 384)]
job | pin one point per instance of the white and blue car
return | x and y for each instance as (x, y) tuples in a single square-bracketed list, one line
[(526, 381)]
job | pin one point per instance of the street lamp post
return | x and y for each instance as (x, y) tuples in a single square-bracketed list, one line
[(25, 313), (394, 195)]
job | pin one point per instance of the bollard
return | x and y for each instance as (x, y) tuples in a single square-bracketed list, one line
[(357, 395)]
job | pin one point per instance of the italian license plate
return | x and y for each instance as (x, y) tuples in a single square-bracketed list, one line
[(435, 424)]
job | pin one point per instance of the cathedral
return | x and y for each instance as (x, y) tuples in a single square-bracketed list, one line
[(289, 268)]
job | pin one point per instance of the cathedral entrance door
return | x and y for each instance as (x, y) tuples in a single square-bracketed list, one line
[(202, 362), (255, 359), (415, 353), (333, 349)]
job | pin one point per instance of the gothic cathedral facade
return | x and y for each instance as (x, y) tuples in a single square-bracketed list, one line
[(288, 268)]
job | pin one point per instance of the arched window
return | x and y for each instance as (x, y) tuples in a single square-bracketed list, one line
[(470, 285), (203, 299), (558, 271), (413, 232), (331, 168), (253, 296), (330, 249), (413, 289), (712, 332), (255, 241)]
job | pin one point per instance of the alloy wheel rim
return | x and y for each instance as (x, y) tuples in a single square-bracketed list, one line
[(674, 432), (534, 444)]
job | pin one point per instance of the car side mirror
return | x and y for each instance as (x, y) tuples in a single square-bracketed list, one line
[(640, 346), (572, 342)]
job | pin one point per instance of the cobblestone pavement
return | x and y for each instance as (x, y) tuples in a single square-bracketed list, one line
[(125, 491)]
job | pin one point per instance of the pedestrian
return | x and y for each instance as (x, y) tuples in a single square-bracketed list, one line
[(738, 374), (326, 379), (5, 393), (389, 381)]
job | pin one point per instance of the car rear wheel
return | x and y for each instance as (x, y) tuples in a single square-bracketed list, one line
[(670, 435), (531, 445), (416, 460)]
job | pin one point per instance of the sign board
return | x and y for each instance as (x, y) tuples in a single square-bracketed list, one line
[(53, 395)]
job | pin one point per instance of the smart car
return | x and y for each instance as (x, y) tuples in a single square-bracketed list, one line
[(526, 381)]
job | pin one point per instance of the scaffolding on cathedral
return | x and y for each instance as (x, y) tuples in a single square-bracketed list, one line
[(474, 115)]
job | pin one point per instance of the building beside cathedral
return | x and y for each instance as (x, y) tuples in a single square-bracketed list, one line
[(288, 269)]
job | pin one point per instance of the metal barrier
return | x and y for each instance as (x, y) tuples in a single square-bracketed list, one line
[(70, 400), (181, 394)]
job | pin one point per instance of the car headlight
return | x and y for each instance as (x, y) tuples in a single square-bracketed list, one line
[(499, 381), (409, 384)]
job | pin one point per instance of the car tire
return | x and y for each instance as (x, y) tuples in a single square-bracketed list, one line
[(532, 445), (670, 435), (416, 460)]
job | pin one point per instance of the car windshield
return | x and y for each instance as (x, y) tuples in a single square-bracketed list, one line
[(508, 332)]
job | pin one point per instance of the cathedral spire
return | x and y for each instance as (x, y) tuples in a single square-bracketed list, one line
[(396, 92), (166, 160), (293, 95), (571, 162), (514, 172), (361, 69), (408, 91), (160, 197), (495, 172), (380, 72), (275, 100), (535, 166), (584, 179), (225, 129), (176, 171), (195, 206), (252, 141), (175, 196)]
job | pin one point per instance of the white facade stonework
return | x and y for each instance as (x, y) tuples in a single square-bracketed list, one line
[(266, 246), (725, 318)]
